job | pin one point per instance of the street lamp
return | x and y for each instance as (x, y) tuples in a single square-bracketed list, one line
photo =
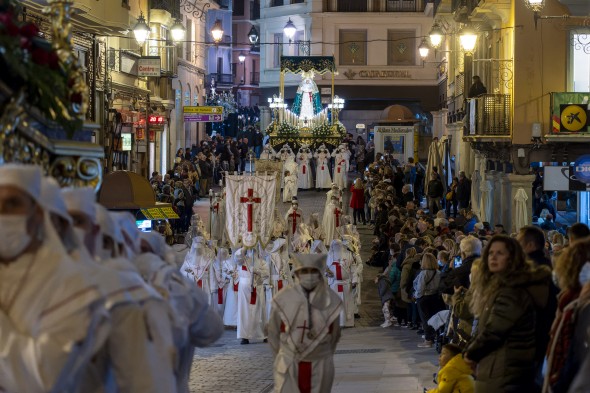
[(468, 39), (141, 30), (424, 49), (241, 57), (336, 106), (290, 30), (436, 35), (178, 31), (253, 35), (217, 31)]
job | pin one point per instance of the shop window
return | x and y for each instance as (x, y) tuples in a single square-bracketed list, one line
[(353, 47)]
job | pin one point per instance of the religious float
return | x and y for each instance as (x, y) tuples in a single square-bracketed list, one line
[(308, 121), (44, 99)]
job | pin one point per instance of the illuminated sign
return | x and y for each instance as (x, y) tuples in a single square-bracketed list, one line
[(125, 141), (156, 119), (149, 66)]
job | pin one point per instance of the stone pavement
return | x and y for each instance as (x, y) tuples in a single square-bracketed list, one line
[(368, 359)]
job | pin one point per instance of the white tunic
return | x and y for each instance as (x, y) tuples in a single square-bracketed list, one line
[(197, 267), (341, 277), (304, 349), (230, 312), (331, 221), (219, 285), (293, 218), (305, 178), (284, 154), (340, 170), (217, 218), (322, 173), (290, 189), (280, 277), (251, 298), (48, 306)]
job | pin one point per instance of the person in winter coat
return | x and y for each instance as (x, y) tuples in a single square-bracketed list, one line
[(357, 201), (455, 374), (506, 292), (435, 193), (458, 276), (410, 269), (427, 297), (463, 192), (570, 336)]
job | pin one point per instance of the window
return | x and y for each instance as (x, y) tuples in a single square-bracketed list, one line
[(276, 3), (238, 9), (353, 47), (297, 1), (401, 47), (278, 47), (234, 38), (580, 59), (352, 5), (254, 9)]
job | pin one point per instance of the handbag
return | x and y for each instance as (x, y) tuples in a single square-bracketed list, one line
[(450, 195)]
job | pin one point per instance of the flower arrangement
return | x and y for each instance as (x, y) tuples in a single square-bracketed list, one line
[(326, 130), (286, 129), (31, 64)]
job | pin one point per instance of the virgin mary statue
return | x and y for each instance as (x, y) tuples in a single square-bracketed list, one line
[(307, 100)]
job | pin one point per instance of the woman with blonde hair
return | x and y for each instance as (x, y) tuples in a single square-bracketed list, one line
[(569, 334), (427, 297), (357, 201), (505, 295)]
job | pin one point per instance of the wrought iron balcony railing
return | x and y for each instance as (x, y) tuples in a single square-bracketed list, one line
[(220, 79), (489, 115)]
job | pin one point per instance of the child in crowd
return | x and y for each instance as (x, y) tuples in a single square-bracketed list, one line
[(454, 375), (290, 188)]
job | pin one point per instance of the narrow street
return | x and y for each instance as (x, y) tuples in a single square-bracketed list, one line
[(369, 359)]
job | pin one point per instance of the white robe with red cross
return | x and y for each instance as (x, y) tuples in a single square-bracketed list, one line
[(251, 298), (277, 258), (304, 176), (197, 267), (304, 351), (331, 221), (341, 170), (322, 173), (293, 218), (342, 275)]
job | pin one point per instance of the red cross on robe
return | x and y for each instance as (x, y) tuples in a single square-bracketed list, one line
[(216, 207), (294, 216), (337, 213), (338, 268), (250, 200)]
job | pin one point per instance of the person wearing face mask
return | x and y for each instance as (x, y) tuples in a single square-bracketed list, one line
[(197, 264), (342, 278), (293, 218), (568, 347), (51, 311), (303, 329), (230, 271), (137, 311)]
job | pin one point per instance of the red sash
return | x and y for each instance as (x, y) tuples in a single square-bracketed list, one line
[(304, 379), (338, 168), (219, 295), (280, 284), (235, 287), (322, 167), (304, 169), (200, 283), (253, 296), (338, 275)]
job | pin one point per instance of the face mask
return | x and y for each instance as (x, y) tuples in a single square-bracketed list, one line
[(14, 235), (309, 281), (440, 263), (585, 274)]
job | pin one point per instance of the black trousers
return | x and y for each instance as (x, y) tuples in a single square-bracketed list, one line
[(358, 214)]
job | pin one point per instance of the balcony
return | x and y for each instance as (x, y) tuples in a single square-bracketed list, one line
[(255, 78), (491, 117), (405, 6), (172, 6), (220, 79), (464, 6)]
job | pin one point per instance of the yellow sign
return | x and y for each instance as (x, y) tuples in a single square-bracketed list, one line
[(156, 213), (573, 118), (169, 212), (205, 110)]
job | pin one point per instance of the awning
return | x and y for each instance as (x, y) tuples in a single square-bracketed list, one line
[(318, 64)]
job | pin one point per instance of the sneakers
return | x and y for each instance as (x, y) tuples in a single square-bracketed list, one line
[(386, 324), (425, 344)]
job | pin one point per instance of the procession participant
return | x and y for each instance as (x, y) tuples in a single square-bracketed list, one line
[(252, 271), (342, 278), (230, 272), (195, 324), (285, 153), (293, 218), (318, 247), (301, 240), (334, 191), (197, 265), (331, 220), (268, 153), (51, 313), (340, 168), (323, 179), (304, 175), (277, 258), (315, 229), (290, 187), (217, 217), (220, 281), (128, 298), (279, 226), (303, 330), (353, 247)]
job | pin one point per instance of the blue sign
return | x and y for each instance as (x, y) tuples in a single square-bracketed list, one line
[(582, 169)]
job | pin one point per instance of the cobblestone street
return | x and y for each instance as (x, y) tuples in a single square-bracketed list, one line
[(368, 359)]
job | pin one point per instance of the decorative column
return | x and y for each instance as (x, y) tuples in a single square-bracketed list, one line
[(518, 182), (264, 118), (437, 124), (505, 194), (497, 205)]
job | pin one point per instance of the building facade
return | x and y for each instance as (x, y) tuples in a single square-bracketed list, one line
[(246, 55), (534, 65), (375, 45)]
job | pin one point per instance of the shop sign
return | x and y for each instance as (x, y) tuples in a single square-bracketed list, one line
[(125, 141), (139, 134), (385, 74), (582, 169), (149, 66)]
